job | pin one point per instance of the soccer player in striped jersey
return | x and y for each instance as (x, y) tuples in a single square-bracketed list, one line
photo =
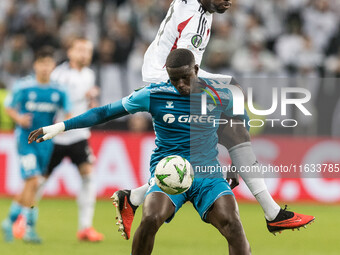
[(210, 193), (188, 25), (34, 102)]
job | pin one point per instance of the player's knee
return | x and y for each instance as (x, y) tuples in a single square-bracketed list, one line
[(85, 168), (152, 222), (33, 182), (231, 224)]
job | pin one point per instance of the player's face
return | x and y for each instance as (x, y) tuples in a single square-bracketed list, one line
[(219, 6), (183, 78), (43, 68), (80, 53)]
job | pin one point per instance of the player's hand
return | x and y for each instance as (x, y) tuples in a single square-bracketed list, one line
[(48, 133), (233, 181), (25, 120), (35, 136)]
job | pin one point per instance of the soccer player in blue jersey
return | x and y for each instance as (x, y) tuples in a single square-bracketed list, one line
[(33, 103), (196, 141)]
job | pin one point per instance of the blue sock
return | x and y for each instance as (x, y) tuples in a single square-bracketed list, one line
[(31, 216), (14, 211)]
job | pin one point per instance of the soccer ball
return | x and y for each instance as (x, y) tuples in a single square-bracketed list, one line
[(174, 175)]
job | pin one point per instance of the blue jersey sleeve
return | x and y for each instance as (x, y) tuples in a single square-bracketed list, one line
[(138, 101), (14, 98), (97, 116), (65, 103)]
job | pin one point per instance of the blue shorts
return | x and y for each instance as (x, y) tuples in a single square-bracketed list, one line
[(202, 194), (34, 158)]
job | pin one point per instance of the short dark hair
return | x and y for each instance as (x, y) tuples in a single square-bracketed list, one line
[(180, 57), (44, 52)]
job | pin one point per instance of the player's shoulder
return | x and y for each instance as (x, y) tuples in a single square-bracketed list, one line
[(218, 81), (219, 85), (89, 71), (182, 7), (62, 67), (25, 82), (162, 87), (55, 86)]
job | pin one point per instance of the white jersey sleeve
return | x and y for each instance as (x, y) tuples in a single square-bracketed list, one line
[(186, 25)]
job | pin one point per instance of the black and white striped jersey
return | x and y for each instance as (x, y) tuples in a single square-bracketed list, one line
[(186, 25)]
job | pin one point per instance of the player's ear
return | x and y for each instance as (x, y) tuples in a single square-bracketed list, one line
[(196, 69)]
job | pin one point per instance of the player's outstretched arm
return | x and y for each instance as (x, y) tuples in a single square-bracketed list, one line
[(90, 118)]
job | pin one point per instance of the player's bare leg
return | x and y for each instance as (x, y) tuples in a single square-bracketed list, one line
[(27, 214), (86, 204), (156, 210), (237, 140), (225, 217)]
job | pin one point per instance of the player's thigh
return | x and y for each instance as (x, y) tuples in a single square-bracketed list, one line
[(157, 202), (58, 154), (206, 191), (159, 205), (223, 211)]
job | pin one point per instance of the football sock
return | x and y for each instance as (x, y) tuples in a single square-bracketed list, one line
[(137, 195), (243, 155), (86, 201), (14, 211), (31, 216)]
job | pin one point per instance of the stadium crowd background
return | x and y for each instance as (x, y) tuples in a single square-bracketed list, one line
[(260, 42)]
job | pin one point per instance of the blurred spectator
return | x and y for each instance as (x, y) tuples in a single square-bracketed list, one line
[(332, 64), (254, 30), (222, 46), (134, 66), (332, 91), (77, 25), (320, 22), (289, 45), (254, 58), (308, 58), (254, 38), (40, 35), (108, 72), (16, 57), (122, 34)]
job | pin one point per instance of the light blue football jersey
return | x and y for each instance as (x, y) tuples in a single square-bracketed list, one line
[(42, 101), (179, 125)]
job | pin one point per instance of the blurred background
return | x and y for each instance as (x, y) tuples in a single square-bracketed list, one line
[(294, 40), (262, 43)]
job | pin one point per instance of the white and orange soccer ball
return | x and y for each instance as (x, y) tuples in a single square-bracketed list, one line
[(174, 175)]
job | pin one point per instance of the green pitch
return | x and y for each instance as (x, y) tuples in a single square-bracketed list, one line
[(186, 234)]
